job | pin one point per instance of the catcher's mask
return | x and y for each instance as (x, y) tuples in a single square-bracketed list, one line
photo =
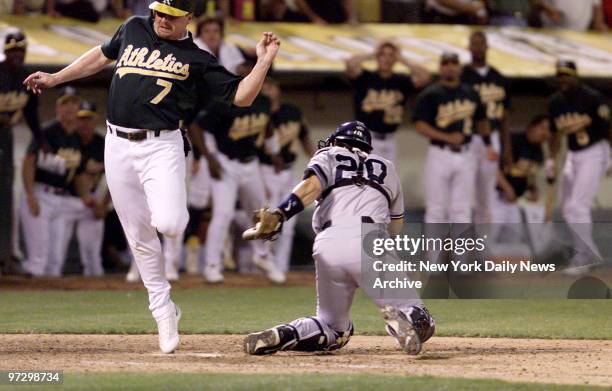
[(173, 7), (353, 133)]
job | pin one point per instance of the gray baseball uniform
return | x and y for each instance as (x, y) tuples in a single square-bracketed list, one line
[(340, 210)]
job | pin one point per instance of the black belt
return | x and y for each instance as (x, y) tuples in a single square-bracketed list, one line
[(245, 159), (453, 148), (134, 136), (364, 220), (285, 166), (381, 136), (54, 190)]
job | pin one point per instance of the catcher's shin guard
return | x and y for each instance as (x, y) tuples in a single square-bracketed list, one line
[(270, 341), (317, 336), (423, 322), (411, 329)]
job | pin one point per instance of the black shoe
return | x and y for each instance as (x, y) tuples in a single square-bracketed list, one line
[(270, 341)]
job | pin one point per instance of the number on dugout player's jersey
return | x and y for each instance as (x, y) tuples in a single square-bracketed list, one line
[(375, 169)]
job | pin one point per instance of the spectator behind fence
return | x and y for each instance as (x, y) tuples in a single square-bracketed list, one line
[(87, 10), (210, 32), (321, 12), (456, 12), (402, 11), (509, 12), (571, 14), (606, 5)]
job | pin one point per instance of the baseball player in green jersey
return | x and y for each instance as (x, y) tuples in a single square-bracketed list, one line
[(160, 78)]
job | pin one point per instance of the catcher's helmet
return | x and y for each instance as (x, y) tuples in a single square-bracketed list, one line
[(173, 7), (353, 133)]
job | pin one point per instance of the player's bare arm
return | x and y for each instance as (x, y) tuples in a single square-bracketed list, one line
[(28, 171), (506, 143), (484, 129), (195, 135), (353, 64), (432, 133), (269, 222), (506, 187), (90, 63), (420, 76), (249, 87), (83, 184), (307, 146), (308, 190)]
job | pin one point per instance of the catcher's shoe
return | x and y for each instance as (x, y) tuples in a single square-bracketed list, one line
[(270, 341), (400, 327), (269, 267), (168, 331)]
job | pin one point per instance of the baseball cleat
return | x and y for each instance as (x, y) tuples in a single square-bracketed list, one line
[(133, 274), (172, 275), (268, 267), (213, 275), (269, 341), (579, 269), (168, 331), (400, 327)]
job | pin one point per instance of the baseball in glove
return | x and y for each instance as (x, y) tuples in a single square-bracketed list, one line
[(268, 224)]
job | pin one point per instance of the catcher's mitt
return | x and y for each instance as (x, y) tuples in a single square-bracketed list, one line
[(268, 225)]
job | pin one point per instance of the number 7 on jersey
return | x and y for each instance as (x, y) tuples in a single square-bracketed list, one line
[(162, 94)]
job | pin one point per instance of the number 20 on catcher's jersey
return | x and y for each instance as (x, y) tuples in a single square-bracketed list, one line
[(375, 170)]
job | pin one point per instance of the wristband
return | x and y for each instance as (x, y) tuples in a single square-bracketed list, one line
[(486, 139), (291, 206)]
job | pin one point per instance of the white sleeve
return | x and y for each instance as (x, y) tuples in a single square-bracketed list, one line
[(397, 197), (320, 165)]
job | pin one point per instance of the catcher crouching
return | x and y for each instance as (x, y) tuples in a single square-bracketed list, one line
[(351, 186)]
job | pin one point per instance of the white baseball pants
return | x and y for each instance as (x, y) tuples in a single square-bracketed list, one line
[(279, 185), (486, 178), (241, 181), (146, 180), (89, 232), (582, 176), (337, 255), (200, 186), (385, 148), (449, 185), (43, 233)]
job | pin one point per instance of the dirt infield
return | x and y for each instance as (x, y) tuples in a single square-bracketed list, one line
[(531, 360), (117, 282)]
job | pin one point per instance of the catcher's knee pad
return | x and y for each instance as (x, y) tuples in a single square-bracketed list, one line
[(423, 323), (314, 335)]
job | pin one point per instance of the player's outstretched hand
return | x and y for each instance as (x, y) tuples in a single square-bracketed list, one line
[(268, 225), (39, 81), (268, 46)]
